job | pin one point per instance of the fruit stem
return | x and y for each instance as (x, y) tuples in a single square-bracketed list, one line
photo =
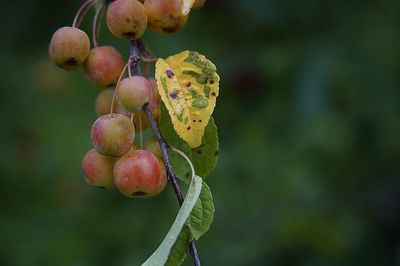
[(141, 131), (96, 24), (170, 173), (134, 67), (82, 13), (116, 86), (146, 54)]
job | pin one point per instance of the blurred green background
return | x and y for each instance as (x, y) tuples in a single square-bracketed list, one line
[(309, 126)]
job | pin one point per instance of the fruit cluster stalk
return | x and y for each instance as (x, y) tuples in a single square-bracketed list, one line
[(170, 174)]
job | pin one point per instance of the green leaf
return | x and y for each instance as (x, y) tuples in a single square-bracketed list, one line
[(204, 157), (202, 214), (179, 251), (170, 250), (197, 225)]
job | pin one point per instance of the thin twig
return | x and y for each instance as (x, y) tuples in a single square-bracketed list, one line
[(135, 58), (82, 13), (97, 25), (146, 54), (116, 86), (170, 174), (135, 53)]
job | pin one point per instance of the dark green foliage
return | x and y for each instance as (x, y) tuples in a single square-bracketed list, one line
[(308, 118)]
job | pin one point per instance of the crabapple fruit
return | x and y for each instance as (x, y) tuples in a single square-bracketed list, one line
[(155, 96), (112, 134), (165, 16), (127, 19), (104, 66), (153, 146), (97, 169), (139, 174), (103, 102), (133, 93), (154, 109), (69, 47), (198, 4)]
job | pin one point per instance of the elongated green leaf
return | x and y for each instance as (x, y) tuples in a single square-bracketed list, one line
[(179, 251), (204, 157), (203, 213), (197, 225), (162, 253)]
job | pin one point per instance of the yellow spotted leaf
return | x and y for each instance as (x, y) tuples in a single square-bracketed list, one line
[(188, 85)]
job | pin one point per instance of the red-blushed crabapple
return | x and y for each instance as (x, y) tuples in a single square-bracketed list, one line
[(104, 66), (104, 101), (112, 134), (139, 174), (163, 177), (69, 47), (97, 169), (127, 19), (154, 109), (133, 92), (166, 16), (155, 96)]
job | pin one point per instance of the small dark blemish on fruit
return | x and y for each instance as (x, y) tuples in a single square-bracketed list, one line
[(170, 29), (211, 82), (138, 193), (188, 84), (173, 95), (213, 94), (198, 151), (194, 121), (129, 35), (112, 83), (200, 120), (216, 153), (188, 128), (71, 61), (169, 73)]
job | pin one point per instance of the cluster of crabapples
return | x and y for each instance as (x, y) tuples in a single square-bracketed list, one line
[(115, 160)]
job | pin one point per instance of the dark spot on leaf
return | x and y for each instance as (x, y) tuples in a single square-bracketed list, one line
[(211, 81), (187, 175), (188, 128), (188, 84), (169, 73), (138, 193), (200, 120), (173, 95), (194, 121), (198, 151), (216, 153), (129, 35), (213, 94)]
